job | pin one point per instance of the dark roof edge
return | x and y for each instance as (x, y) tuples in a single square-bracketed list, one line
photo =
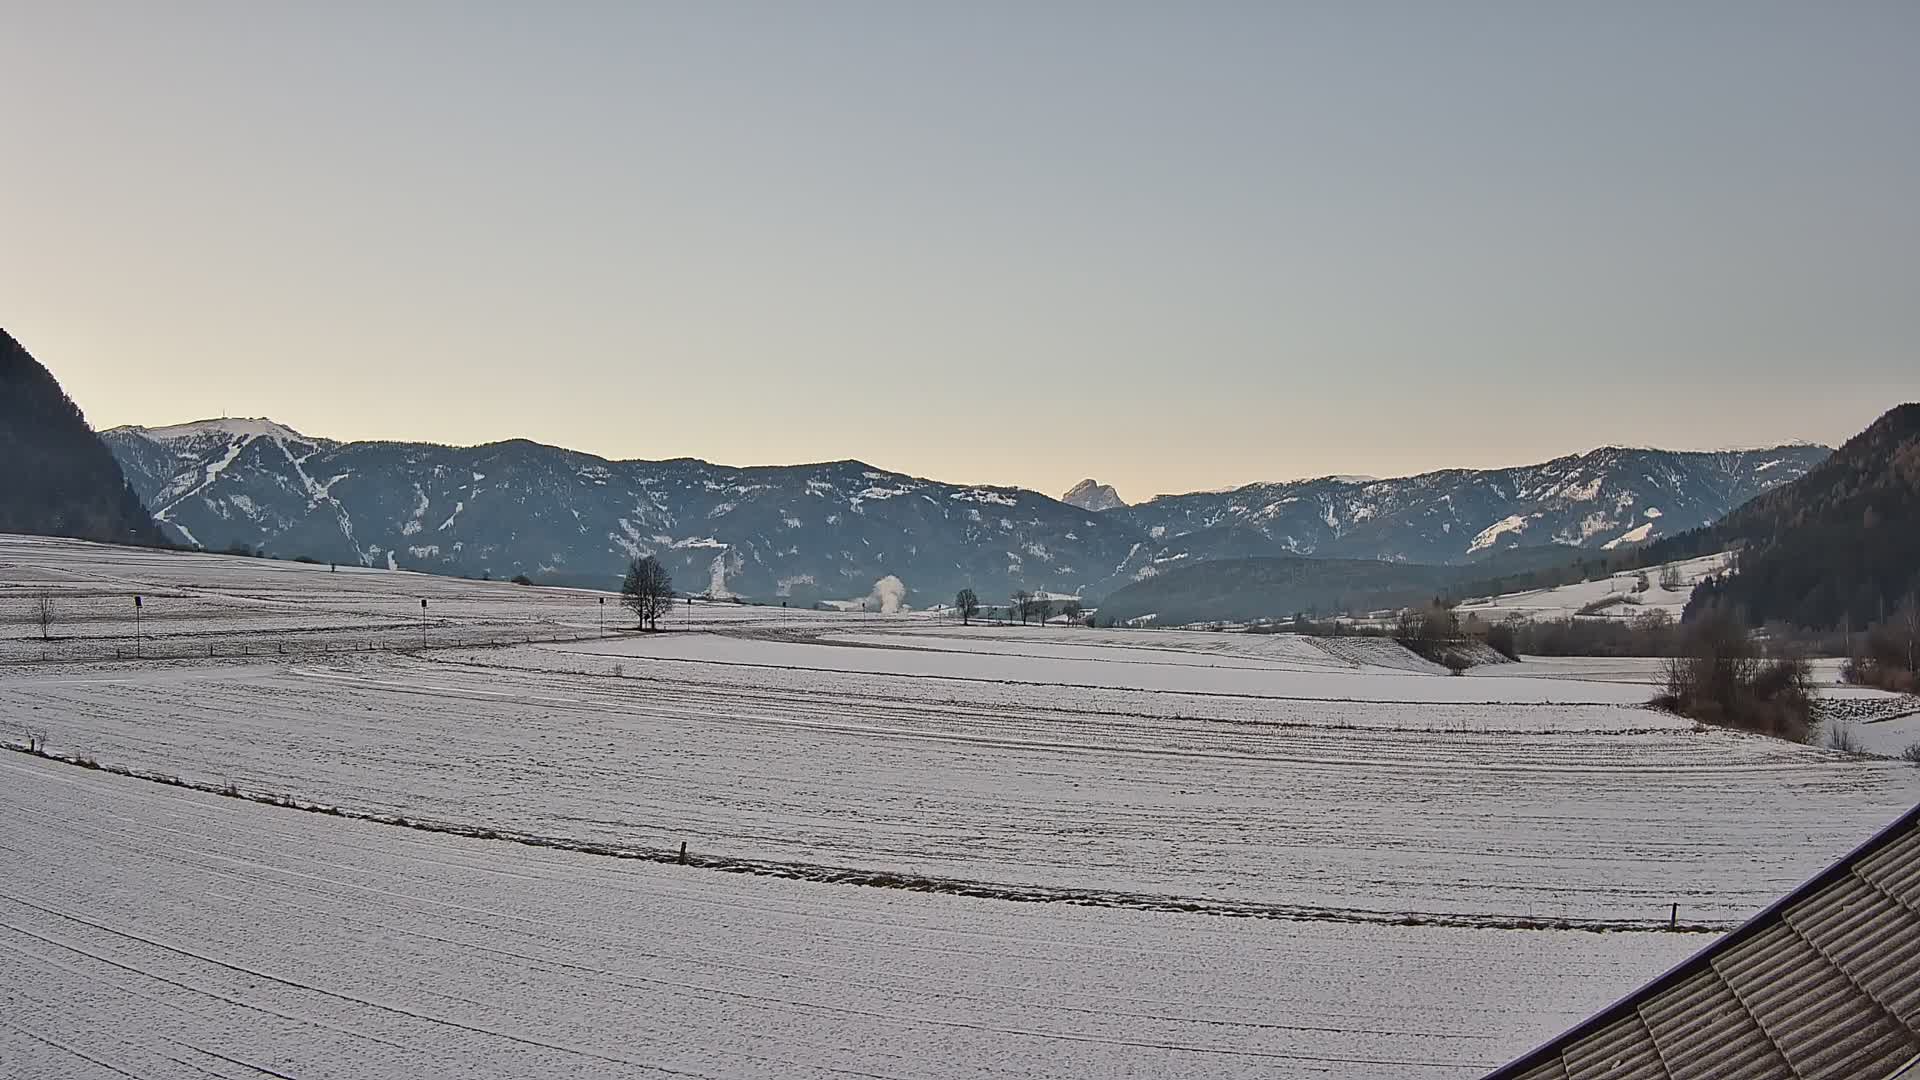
[(1692, 964)]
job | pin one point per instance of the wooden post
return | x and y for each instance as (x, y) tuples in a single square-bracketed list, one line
[(1673, 918), (683, 853)]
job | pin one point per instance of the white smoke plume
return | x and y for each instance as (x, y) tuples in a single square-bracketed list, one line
[(888, 596)]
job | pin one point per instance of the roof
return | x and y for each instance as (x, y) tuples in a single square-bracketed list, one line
[(1824, 984)]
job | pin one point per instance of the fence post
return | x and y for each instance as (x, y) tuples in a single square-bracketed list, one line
[(683, 853), (1673, 918)]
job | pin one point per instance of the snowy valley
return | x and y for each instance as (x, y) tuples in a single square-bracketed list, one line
[(311, 830)]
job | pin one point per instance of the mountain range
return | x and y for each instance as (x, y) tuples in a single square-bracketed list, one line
[(1605, 499), (804, 533)]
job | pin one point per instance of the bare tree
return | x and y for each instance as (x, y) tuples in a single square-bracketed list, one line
[(1042, 608), (1023, 603), (1072, 610), (648, 591), (43, 611), (967, 603), (1670, 578)]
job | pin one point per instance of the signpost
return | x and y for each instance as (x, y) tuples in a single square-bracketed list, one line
[(423, 622), (603, 616), (136, 625)]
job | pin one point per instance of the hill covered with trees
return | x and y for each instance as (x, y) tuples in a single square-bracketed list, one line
[(1840, 546), (60, 479), (1243, 590)]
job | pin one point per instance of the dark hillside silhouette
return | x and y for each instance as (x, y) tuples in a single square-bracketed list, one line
[(56, 477), (1838, 547)]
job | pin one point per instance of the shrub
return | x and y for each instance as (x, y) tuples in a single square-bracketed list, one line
[(1719, 678), (1888, 654), (1428, 631), (1504, 638), (1911, 754), (522, 579), (1872, 671), (1456, 663), (1649, 633), (1840, 736)]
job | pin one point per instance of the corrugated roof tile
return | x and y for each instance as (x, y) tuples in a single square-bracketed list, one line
[(1705, 1033), (1874, 938), (1823, 985), (1622, 1051)]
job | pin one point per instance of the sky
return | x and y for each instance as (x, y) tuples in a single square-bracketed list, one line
[(1170, 246)]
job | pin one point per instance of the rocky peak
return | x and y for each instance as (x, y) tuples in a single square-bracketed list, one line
[(1089, 494)]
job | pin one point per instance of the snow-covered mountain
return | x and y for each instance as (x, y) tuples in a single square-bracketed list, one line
[(1091, 495), (804, 532), (829, 531), (1605, 498)]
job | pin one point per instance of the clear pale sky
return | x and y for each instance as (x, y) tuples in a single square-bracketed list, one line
[(1173, 246)]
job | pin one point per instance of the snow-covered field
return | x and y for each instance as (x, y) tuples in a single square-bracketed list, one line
[(1568, 601), (194, 604), (152, 932), (1391, 828), (1079, 659)]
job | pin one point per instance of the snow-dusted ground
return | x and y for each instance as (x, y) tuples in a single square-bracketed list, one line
[(196, 604), (1566, 601), (1890, 735), (1342, 789), (164, 933), (1071, 659), (1487, 813), (1650, 672)]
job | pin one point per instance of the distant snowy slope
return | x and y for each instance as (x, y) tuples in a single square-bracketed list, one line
[(1617, 596)]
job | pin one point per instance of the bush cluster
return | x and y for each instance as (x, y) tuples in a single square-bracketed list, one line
[(1887, 654), (1719, 677)]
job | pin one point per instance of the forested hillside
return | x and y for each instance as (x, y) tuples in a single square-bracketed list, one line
[(1840, 545), (59, 479)]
